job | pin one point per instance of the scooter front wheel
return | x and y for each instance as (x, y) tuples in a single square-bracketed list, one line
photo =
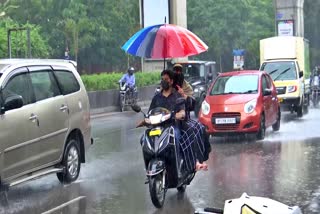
[(122, 102), (157, 189)]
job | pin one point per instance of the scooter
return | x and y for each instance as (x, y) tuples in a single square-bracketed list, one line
[(163, 161), (251, 205), (127, 96)]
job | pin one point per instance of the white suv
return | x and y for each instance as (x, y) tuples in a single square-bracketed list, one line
[(44, 120)]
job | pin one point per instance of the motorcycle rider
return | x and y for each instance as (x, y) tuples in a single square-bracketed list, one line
[(314, 78), (194, 139), (166, 99), (315, 85), (179, 80), (129, 78)]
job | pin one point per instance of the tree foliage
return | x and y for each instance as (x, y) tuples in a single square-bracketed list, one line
[(312, 29), (95, 30), (233, 24), (19, 45)]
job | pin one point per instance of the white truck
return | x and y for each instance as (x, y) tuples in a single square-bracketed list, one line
[(286, 59)]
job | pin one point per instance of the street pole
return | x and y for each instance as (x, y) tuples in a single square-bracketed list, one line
[(9, 43), (275, 17), (28, 40), (29, 43)]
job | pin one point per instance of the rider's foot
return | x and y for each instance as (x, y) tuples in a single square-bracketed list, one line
[(146, 181), (201, 166), (204, 166)]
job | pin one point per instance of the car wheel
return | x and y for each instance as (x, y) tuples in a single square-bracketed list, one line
[(276, 125), (262, 130), (306, 104), (300, 111), (71, 163)]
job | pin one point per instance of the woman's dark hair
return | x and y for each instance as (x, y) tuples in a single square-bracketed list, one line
[(168, 72)]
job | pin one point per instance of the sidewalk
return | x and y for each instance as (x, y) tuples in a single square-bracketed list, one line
[(113, 110)]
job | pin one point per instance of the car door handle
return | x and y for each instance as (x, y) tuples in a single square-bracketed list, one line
[(34, 118), (64, 108)]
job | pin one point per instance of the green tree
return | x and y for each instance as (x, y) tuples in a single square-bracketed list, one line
[(39, 46), (312, 29), (230, 25)]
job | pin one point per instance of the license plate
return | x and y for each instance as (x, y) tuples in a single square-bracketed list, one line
[(280, 100), (155, 132), (225, 120)]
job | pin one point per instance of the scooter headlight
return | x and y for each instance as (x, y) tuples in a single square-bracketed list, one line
[(250, 106), (147, 120), (165, 117), (205, 107)]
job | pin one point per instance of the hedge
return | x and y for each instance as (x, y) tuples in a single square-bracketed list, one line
[(106, 81)]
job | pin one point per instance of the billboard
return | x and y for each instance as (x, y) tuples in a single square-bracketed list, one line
[(285, 28), (238, 58), (154, 12)]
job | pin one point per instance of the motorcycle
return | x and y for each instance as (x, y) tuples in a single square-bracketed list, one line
[(127, 96), (315, 91), (164, 164), (251, 205)]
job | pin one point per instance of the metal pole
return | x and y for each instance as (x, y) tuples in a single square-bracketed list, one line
[(9, 43), (29, 43), (275, 17)]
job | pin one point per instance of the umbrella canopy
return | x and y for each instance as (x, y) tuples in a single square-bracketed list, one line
[(164, 41)]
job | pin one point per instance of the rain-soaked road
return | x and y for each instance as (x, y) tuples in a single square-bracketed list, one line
[(285, 167)]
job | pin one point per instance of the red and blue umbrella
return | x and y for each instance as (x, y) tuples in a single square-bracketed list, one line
[(164, 41)]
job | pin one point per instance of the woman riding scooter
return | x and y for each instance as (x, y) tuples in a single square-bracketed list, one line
[(194, 140)]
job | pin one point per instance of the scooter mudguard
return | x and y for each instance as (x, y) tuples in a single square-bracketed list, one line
[(155, 167)]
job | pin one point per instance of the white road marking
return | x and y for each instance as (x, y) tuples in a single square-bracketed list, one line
[(64, 205)]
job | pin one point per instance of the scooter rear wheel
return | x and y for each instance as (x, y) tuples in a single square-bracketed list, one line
[(157, 189), (182, 189)]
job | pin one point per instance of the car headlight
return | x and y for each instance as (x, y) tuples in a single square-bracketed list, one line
[(205, 108), (250, 106), (292, 88)]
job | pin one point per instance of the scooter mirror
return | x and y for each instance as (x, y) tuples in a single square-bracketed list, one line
[(136, 108)]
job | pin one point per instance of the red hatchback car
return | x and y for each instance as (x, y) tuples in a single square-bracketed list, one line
[(241, 102)]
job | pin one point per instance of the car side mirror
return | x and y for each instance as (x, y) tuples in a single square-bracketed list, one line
[(267, 92), (12, 102), (300, 74)]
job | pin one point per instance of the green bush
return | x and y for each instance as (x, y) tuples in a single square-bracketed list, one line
[(106, 81)]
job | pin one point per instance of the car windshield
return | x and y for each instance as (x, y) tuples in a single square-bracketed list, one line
[(192, 70), (241, 84), (280, 70)]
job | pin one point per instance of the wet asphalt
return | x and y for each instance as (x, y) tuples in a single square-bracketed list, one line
[(285, 166)]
